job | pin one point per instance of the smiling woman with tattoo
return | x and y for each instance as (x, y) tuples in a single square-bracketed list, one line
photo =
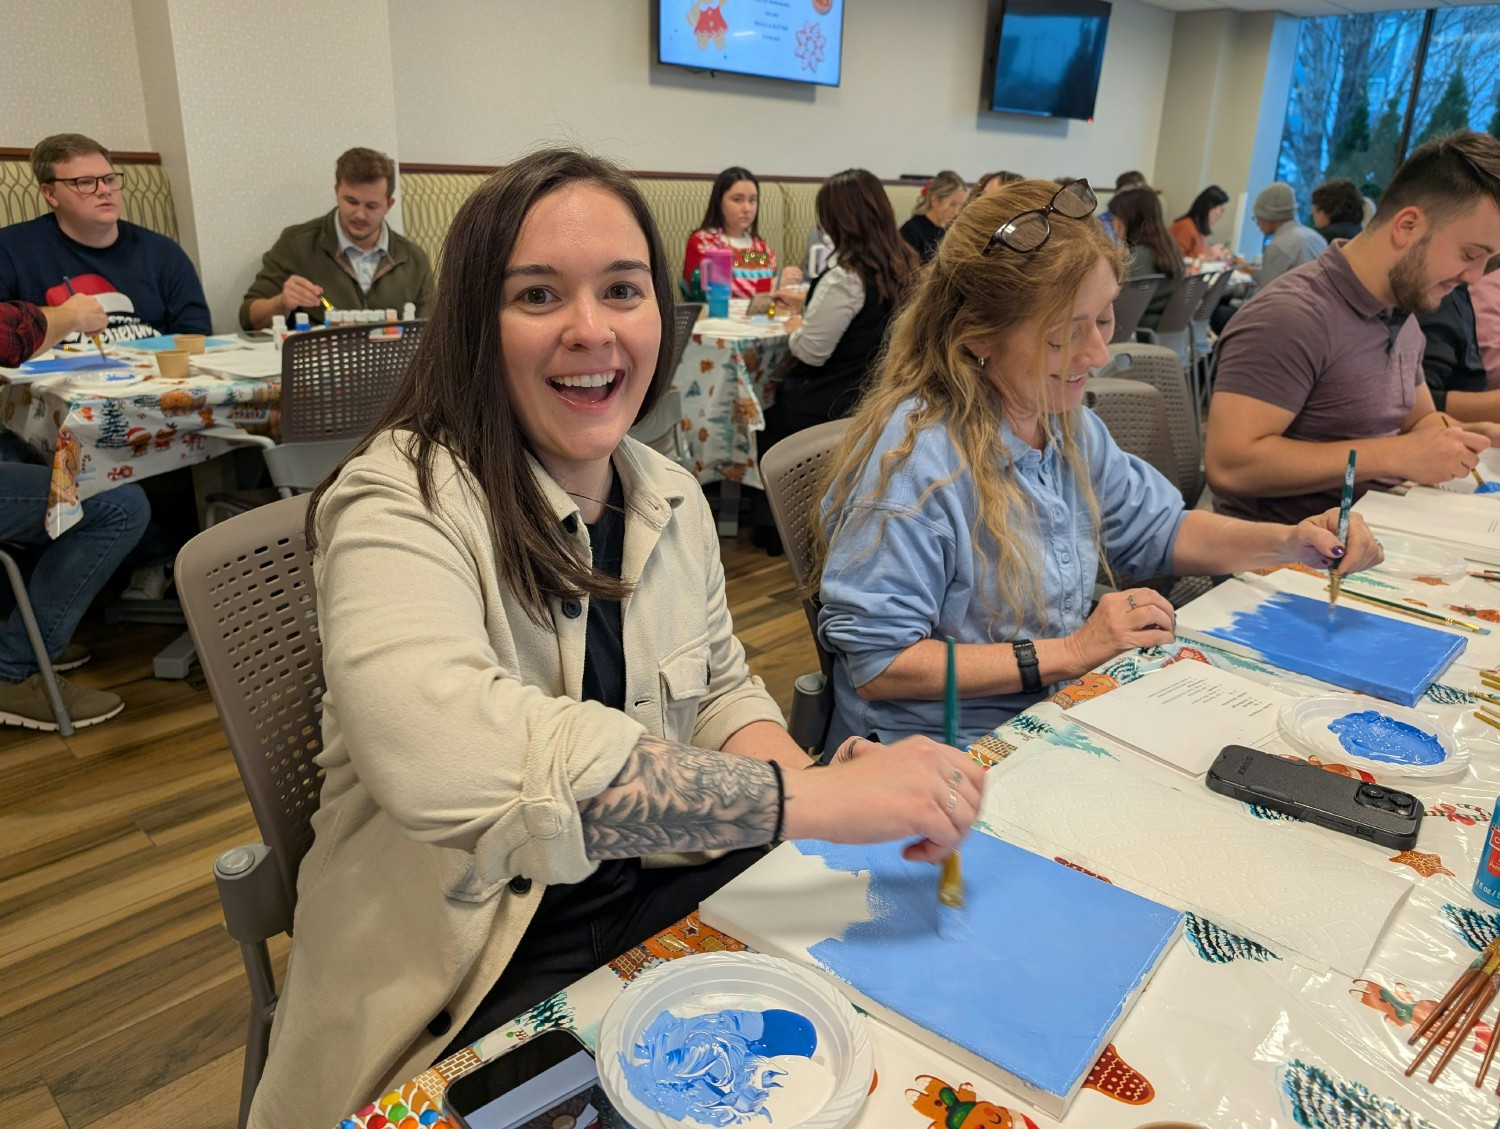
[(542, 741)]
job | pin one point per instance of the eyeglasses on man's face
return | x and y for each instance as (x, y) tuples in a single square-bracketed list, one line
[(89, 185), (1028, 231)]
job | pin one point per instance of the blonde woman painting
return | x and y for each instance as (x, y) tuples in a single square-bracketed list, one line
[(974, 495)]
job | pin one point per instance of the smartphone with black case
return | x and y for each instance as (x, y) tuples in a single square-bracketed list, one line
[(546, 1081), (1367, 811)]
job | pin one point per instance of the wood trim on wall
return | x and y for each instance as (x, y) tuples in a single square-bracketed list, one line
[(420, 166), (707, 177), (9, 153)]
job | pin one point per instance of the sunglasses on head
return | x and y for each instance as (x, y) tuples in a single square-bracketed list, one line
[(1029, 231)]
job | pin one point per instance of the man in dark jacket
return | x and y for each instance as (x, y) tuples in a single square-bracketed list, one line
[(349, 256)]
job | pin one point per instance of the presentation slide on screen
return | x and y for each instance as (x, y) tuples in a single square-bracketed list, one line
[(792, 39)]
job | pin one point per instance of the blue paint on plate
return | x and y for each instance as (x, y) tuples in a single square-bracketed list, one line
[(1376, 737), (716, 1069)]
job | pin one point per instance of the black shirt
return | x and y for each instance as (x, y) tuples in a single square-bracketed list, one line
[(1452, 361), (604, 644), (613, 883), (923, 235)]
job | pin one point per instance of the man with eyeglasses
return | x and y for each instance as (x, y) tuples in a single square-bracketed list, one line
[(144, 280), (1329, 357)]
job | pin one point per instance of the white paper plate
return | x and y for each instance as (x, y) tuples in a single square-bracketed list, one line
[(1304, 722), (826, 1093), (1409, 557)]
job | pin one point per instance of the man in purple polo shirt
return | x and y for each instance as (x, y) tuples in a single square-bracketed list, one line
[(1329, 356)]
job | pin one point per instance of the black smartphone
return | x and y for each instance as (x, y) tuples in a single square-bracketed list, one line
[(1368, 811), (545, 1082)]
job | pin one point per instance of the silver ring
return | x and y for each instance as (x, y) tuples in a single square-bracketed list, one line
[(956, 779), (952, 800), (1130, 601)]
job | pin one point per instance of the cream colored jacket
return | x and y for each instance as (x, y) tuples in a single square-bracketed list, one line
[(457, 753)]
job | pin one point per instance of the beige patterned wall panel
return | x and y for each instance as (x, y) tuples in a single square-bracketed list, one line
[(677, 206), (801, 217), (147, 196), (903, 198), (70, 68), (429, 201)]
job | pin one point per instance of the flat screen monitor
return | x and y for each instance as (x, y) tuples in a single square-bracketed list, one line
[(1049, 57), (795, 40)]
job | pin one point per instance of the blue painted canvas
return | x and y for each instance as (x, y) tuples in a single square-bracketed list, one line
[(169, 341), (80, 362), (1055, 959), (1389, 658)]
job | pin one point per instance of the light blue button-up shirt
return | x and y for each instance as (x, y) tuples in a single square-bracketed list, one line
[(365, 263), (903, 568)]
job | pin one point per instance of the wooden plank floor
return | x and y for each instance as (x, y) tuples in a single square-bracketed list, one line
[(122, 1000)]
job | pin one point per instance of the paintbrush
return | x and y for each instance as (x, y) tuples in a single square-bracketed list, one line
[(97, 343), (1346, 502), (952, 925), (1487, 719), (1419, 613)]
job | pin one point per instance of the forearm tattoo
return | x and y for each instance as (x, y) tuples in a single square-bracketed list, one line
[(671, 797)]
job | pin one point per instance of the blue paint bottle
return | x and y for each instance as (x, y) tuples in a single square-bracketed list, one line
[(1487, 880)]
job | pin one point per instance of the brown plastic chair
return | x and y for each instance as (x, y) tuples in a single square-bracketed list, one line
[(1159, 367), (246, 586), (334, 385), (1131, 302), (1174, 327), (661, 427), (793, 472), (1136, 416)]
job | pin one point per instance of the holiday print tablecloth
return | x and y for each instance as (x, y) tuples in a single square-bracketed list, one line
[(1229, 1032), (97, 433), (724, 380)]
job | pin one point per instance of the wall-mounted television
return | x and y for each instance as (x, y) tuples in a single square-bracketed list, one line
[(795, 40), (1049, 56)]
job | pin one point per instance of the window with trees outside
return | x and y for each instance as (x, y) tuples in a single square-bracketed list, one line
[(1368, 88)]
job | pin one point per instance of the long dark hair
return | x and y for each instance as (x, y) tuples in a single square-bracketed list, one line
[(714, 216), (1203, 203), (1140, 211), (856, 214), (454, 397)]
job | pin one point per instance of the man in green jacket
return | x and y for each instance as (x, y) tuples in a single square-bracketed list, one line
[(350, 256)]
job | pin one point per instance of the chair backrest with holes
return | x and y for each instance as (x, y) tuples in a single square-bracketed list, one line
[(246, 586)]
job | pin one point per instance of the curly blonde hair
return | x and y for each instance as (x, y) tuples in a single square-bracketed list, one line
[(970, 298)]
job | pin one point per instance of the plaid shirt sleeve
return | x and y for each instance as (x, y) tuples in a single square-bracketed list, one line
[(22, 331)]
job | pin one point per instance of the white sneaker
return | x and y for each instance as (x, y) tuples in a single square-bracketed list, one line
[(148, 582)]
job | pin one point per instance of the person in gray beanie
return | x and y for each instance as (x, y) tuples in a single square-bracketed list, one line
[(1292, 243)]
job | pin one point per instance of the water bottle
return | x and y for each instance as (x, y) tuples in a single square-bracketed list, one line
[(718, 300)]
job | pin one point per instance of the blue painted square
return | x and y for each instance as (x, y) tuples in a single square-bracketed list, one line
[(1055, 957)]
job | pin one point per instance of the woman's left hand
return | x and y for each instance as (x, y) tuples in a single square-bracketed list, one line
[(1315, 542)]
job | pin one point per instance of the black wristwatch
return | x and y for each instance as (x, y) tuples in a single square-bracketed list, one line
[(1031, 672)]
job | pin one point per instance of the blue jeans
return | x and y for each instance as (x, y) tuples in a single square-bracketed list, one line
[(70, 570)]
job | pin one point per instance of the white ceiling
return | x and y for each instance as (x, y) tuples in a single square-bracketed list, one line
[(1311, 7)]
